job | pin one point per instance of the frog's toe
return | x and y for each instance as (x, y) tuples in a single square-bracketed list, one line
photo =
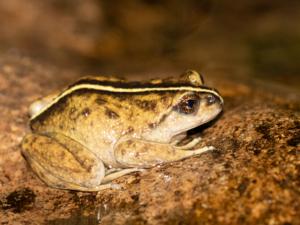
[(203, 149)]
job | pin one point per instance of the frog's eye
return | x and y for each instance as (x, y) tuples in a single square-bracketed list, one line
[(188, 104)]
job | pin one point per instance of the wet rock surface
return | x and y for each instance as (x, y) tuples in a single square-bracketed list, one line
[(251, 178)]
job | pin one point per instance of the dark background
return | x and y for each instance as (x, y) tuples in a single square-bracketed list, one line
[(248, 38)]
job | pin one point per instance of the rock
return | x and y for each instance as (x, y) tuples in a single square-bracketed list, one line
[(252, 177)]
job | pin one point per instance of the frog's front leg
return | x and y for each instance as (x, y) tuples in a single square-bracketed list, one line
[(63, 163), (140, 153)]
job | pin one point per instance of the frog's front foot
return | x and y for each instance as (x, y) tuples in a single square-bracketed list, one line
[(203, 149)]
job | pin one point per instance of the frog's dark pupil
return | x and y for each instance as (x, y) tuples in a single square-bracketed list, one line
[(191, 103)]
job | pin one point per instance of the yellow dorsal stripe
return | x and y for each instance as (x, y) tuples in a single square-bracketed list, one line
[(122, 90)]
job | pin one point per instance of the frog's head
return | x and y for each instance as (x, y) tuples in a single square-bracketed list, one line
[(192, 105), (192, 109)]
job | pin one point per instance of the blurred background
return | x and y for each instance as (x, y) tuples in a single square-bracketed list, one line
[(234, 39)]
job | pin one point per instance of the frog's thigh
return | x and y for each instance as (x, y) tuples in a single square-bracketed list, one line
[(63, 163), (139, 153), (55, 182)]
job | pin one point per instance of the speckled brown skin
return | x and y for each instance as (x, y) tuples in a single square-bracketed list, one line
[(97, 123), (97, 120)]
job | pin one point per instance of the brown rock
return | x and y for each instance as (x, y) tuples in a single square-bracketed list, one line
[(252, 177)]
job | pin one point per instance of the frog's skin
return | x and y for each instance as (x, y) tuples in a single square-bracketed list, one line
[(99, 129)]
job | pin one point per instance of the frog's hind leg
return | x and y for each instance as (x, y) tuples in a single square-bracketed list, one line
[(56, 182), (63, 163)]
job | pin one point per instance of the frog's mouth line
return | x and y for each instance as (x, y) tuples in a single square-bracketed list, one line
[(199, 129)]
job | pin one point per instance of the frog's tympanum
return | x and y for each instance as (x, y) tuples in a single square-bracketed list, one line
[(99, 129)]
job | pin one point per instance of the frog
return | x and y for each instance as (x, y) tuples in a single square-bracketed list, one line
[(101, 128)]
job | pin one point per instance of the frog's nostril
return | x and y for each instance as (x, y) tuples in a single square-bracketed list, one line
[(211, 99)]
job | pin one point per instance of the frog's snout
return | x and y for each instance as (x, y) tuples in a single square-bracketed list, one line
[(212, 99)]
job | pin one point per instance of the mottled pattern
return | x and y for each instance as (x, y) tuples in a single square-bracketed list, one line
[(82, 109)]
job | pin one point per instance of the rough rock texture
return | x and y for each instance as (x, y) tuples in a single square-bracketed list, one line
[(252, 177)]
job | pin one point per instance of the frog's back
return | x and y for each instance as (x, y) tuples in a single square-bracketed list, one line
[(97, 112), (79, 112), (102, 114)]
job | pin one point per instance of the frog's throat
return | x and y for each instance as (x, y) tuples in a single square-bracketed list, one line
[(204, 121)]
